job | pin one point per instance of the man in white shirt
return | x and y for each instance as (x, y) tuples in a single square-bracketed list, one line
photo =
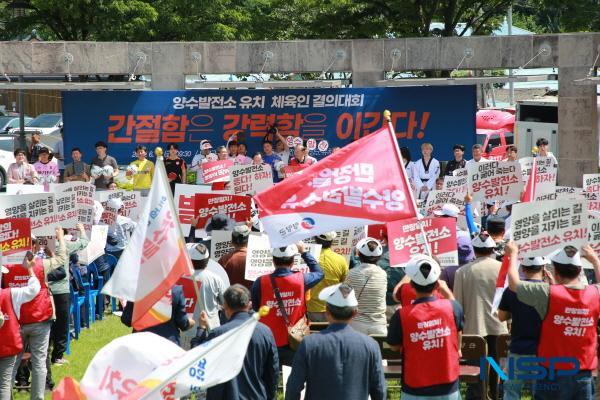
[(204, 156), (477, 152)]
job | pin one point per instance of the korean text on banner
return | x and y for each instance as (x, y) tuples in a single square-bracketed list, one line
[(437, 198), (185, 203), (84, 200), (155, 257), (220, 244), (216, 361), (406, 239), (291, 170), (455, 184), (38, 207), (495, 180), (363, 183), (591, 189), (541, 227), (259, 258), (216, 171), (208, 204), (251, 179), (15, 239), (545, 181)]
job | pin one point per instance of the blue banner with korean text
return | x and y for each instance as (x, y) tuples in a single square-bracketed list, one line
[(320, 118)]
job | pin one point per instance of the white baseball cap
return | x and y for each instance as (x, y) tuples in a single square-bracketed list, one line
[(483, 241), (568, 256), (115, 203), (448, 210), (283, 252), (4, 270), (363, 248), (194, 253), (413, 270), (340, 295), (534, 261), (328, 236)]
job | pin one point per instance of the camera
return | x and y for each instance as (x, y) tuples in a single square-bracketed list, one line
[(272, 129)]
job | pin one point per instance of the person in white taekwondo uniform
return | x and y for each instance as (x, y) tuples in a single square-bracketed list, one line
[(425, 171)]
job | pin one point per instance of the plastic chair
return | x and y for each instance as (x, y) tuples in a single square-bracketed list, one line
[(87, 299), (96, 283), (75, 313), (112, 262)]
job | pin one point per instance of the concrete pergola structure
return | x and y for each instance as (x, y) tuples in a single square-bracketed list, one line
[(169, 62)]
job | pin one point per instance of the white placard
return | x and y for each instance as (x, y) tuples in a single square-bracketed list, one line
[(495, 180), (39, 207), (437, 198), (96, 246), (541, 227), (251, 179), (220, 244)]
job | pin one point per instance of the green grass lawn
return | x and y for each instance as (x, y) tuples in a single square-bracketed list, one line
[(83, 350)]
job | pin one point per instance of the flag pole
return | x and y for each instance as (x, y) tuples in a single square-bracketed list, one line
[(160, 168), (387, 116)]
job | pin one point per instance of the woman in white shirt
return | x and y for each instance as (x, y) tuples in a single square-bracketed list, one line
[(425, 171)]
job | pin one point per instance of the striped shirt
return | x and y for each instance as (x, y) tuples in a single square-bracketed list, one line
[(369, 282)]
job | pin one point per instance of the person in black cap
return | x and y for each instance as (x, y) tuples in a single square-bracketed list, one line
[(495, 227), (458, 162)]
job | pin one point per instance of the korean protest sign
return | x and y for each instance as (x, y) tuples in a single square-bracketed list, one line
[(38, 207), (591, 189), (237, 208), (65, 209), (540, 227), (259, 259), (251, 179), (216, 171), (84, 200), (455, 184), (220, 244), (545, 182), (15, 239), (132, 204), (406, 239), (437, 198), (495, 180), (291, 170), (185, 203)]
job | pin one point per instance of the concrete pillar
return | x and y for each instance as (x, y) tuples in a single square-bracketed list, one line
[(366, 78), (577, 127), (167, 61)]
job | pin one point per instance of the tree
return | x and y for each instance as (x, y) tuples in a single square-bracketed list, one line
[(555, 16)]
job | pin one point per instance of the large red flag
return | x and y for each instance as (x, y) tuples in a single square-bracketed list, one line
[(362, 184)]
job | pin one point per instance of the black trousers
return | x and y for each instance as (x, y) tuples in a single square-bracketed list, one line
[(58, 332)]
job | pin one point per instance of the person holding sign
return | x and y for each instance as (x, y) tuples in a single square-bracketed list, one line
[(199, 159), (526, 322), (211, 285), (37, 315), (21, 171), (425, 171), (474, 288), (285, 286), (542, 145), (430, 364), (338, 362), (11, 300), (234, 262), (458, 162), (569, 311), (301, 156), (108, 167), (259, 377), (142, 179)]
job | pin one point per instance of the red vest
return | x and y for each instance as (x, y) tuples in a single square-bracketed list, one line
[(429, 343), (408, 294), (569, 329), (291, 288), (10, 333), (40, 308)]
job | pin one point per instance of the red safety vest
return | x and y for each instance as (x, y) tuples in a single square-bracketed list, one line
[(569, 329), (429, 343), (40, 308), (291, 288), (10, 332), (408, 294)]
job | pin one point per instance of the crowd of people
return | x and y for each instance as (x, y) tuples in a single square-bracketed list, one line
[(422, 309)]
